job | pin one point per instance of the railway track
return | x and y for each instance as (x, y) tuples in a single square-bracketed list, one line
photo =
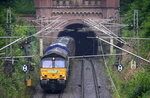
[(51, 95), (60, 95), (82, 79), (97, 90), (46, 95), (90, 79)]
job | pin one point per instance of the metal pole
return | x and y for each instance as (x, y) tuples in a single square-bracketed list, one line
[(41, 47), (111, 47), (8, 32), (136, 30)]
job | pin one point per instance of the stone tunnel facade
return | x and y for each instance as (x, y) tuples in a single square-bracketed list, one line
[(73, 8), (75, 11)]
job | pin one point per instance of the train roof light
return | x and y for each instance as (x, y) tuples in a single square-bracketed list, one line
[(53, 58)]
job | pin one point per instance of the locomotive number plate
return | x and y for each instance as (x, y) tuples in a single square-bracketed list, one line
[(53, 71)]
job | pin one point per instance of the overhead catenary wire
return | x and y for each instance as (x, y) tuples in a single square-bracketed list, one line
[(23, 38), (105, 63), (5, 37), (61, 23), (46, 27), (89, 56), (105, 30), (129, 38), (17, 57), (104, 37), (2, 53), (11, 43), (123, 50)]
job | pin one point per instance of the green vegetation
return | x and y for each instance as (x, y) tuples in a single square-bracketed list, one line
[(24, 6), (19, 6), (134, 83), (125, 5), (14, 85), (130, 83), (143, 7)]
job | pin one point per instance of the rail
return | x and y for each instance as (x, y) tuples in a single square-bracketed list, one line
[(95, 80), (82, 79)]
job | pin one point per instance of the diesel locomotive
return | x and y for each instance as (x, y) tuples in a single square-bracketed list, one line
[(55, 65)]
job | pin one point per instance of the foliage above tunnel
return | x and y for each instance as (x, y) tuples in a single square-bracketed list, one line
[(20, 6)]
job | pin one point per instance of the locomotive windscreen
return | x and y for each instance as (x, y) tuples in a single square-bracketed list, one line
[(47, 64), (59, 63)]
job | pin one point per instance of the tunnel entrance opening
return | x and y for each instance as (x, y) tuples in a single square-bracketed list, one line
[(85, 45)]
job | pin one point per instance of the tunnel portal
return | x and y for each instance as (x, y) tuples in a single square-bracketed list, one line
[(86, 44)]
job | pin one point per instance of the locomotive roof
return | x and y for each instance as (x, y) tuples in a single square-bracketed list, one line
[(63, 40), (56, 51), (59, 47)]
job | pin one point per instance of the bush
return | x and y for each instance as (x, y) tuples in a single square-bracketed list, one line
[(138, 85)]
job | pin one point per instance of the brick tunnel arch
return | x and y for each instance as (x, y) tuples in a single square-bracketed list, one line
[(84, 44)]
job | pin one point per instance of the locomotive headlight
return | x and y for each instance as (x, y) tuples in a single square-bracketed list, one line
[(62, 76), (44, 76), (53, 58)]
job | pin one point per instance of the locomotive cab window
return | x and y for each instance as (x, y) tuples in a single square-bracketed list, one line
[(59, 64), (47, 64)]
